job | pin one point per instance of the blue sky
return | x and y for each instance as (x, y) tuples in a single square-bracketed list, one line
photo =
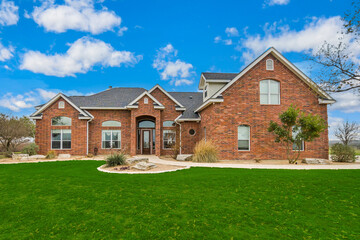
[(82, 47)]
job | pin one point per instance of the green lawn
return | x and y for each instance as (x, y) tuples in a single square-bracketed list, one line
[(72, 200)]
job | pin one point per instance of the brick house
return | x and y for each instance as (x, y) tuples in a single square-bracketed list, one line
[(231, 109)]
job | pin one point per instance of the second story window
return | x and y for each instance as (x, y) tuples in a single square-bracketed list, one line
[(61, 104), (205, 93), (269, 92)]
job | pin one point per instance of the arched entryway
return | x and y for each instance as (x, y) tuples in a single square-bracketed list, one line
[(145, 129)]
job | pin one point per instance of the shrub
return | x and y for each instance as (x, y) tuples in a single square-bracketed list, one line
[(205, 151), (116, 159), (342, 153), (31, 149), (51, 154)]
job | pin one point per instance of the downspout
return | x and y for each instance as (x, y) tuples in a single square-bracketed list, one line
[(176, 121), (87, 136)]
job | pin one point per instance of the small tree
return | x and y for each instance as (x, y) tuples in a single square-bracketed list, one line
[(14, 131), (347, 132), (296, 127)]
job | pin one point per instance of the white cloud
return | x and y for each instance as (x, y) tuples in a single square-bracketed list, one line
[(218, 39), (169, 68), (308, 39), (82, 55), (8, 13), (79, 15), (228, 42), (32, 98), (5, 52), (347, 102), (334, 123), (232, 32), (122, 30), (277, 2)]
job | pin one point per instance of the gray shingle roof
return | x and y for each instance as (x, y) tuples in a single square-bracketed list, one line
[(219, 76), (114, 97), (190, 100)]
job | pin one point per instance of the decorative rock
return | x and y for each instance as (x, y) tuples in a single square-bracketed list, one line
[(20, 156), (183, 157), (64, 156), (144, 166), (131, 161), (314, 161), (34, 157)]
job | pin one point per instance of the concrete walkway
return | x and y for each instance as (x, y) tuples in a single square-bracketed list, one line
[(155, 159)]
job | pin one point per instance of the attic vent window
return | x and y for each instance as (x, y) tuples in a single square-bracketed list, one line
[(146, 100), (269, 64), (61, 104)]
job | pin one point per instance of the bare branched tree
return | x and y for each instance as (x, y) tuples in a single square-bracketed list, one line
[(340, 66), (14, 131), (347, 132)]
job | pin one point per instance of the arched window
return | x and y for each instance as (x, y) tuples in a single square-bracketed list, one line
[(61, 104), (61, 121), (146, 124), (269, 64), (111, 124), (243, 138), (168, 124), (269, 92)]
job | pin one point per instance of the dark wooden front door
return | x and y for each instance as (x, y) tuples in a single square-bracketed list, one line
[(146, 141)]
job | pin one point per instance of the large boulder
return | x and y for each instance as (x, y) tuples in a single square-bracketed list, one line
[(64, 156), (35, 157), (184, 157), (21, 156), (144, 166), (314, 161), (132, 161)]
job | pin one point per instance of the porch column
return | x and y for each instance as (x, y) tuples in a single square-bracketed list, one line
[(133, 134)]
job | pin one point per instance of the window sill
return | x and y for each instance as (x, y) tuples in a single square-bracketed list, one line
[(269, 104)]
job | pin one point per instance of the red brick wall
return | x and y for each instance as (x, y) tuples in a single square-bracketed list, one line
[(78, 129), (95, 129), (242, 106), (188, 141)]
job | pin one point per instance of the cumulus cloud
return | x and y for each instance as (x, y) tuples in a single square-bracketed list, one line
[(309, 39), (79, 15), (232, 32), (170, 68), (276, 2), (82, 56), (18, 102), (348, 102), (5, 52), (334, 123), (8, 13)]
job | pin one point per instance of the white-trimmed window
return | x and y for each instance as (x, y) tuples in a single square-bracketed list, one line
[(169, 138), (269, 64), (295, 146), (61, 139), (111, 139), (269, 92), (61, 121), (111, 124), (205, 92), (61, 104), (243, 138), (168, 124), (146, 100)]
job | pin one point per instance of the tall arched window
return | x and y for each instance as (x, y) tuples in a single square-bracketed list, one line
[(146, 124), (61, 121), (269, 92), (111, 124)]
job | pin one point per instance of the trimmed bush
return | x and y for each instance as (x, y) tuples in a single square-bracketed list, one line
[(116, 159), (342, 153), (31, 149), (51, 154), (205, 151)]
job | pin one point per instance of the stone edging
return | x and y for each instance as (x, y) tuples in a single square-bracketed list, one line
[(142, 172)]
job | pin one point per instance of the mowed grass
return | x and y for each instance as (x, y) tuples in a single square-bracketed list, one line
[(72, 200)]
